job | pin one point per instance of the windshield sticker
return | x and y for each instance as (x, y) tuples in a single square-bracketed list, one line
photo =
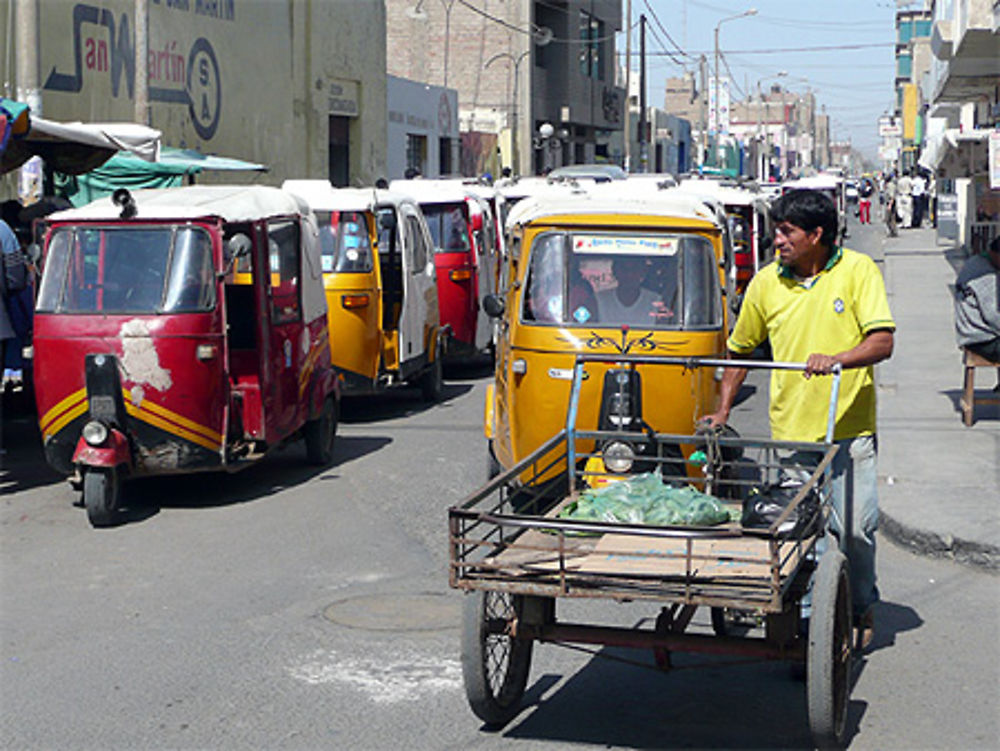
[(629, 244), (327, 263), (581, 315)]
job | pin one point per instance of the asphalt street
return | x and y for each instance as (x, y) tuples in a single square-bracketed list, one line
[(290, 608)]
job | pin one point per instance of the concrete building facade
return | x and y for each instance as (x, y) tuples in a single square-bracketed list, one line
[(422, 130), (516, 65), (297, 86)]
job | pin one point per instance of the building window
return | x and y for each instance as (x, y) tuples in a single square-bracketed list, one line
[(416, 152), (904, 66), (591, 33), (444, 156)]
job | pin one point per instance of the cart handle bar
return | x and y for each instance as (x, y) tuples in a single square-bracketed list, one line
[(690, 363)]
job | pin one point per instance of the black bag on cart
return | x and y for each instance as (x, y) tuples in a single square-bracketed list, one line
[(763, 506)]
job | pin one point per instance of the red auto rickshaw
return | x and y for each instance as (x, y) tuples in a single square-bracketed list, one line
[(465, 259), (180, 330)]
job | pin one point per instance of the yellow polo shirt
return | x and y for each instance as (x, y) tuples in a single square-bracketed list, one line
[(829, 314)]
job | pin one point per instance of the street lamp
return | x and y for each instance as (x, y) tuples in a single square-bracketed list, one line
[(516, 61), (417, 12), (749, 12)]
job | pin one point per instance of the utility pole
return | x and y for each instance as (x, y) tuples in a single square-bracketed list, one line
[(141, 62), (703, 95), (643, 125), (628, 86)]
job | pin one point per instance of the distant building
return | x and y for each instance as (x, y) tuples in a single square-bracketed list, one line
[(299, 87), (422, 129), (517, 64)]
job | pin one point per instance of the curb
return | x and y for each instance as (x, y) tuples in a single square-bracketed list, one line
[(984, 557)]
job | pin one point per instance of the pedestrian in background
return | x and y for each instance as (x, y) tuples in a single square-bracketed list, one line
[(891, 193), (904, 199), (865, 191), (918, 189), (822, 305)]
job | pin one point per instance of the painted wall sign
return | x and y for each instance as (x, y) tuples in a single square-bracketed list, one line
[(174, 78), (344, 98)]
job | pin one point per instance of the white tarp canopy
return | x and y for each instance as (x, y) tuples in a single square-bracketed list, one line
[(74, 148), (957, 153)]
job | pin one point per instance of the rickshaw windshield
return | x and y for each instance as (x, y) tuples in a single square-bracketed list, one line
[(344, 241), (662, 281), (448, 227), (161, 269)]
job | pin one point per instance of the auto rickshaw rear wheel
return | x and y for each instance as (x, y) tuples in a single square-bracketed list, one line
[(432, 380), (102, 495), (320, 434)]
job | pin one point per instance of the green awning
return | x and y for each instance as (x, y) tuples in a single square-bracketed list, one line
[(124, 170)]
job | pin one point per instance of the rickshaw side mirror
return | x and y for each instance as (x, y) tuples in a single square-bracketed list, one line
[(493, 305), (237, 247)]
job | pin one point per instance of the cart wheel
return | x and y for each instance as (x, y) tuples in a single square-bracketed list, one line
[(320, 435), (828, 660), (494, 665), (102, 496), (432, 381)]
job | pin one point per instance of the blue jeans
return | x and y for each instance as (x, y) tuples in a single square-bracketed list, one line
[(855, 476)]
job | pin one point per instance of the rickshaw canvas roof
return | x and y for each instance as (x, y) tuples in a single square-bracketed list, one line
[(433, 191), (728, 195), (814, 182), (231, 203), (610, 201), (321, 196)]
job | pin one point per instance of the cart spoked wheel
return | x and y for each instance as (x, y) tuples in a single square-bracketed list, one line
[(320, 434), (432, 381), (102, 496), (828, 660), (494, 664)]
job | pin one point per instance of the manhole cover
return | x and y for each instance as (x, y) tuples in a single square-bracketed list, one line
[(389, 612)]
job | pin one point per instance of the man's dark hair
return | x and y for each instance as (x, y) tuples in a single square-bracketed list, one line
[(808, 209)]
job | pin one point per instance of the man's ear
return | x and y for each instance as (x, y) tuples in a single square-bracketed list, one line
[(815, 235)]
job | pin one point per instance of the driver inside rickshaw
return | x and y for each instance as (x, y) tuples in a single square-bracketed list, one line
[(630, 300)]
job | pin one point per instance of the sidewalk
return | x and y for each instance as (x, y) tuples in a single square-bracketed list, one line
[(939, 481)]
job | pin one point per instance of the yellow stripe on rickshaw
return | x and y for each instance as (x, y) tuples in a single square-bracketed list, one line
[(157, 422), (184, 422), (60, 407), (67, 418)]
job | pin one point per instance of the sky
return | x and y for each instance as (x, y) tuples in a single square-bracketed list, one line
[(842, 51)]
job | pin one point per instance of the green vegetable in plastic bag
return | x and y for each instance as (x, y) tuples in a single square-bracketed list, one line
[(644, 499)]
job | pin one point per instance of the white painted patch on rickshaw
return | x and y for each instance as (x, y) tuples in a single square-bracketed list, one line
[(137, 395), (140, 360), (385, 680)]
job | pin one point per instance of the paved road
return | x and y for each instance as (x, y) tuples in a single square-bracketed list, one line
[(288, 608)]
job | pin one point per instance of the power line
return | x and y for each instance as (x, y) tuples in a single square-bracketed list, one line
[(781, 50), (666, 33)]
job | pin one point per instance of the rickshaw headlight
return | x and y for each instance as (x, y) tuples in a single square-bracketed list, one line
[(95, 433), (618, 457)]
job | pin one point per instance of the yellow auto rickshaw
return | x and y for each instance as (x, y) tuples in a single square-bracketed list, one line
[(605, 272), (378, 273)]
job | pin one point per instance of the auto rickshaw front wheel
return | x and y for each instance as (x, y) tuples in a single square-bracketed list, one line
[(320, 434), (102, 495)]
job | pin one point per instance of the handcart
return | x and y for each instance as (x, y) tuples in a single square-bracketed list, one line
[(515, 551)]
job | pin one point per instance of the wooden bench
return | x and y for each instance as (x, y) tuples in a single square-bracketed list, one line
[(971, 361)]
